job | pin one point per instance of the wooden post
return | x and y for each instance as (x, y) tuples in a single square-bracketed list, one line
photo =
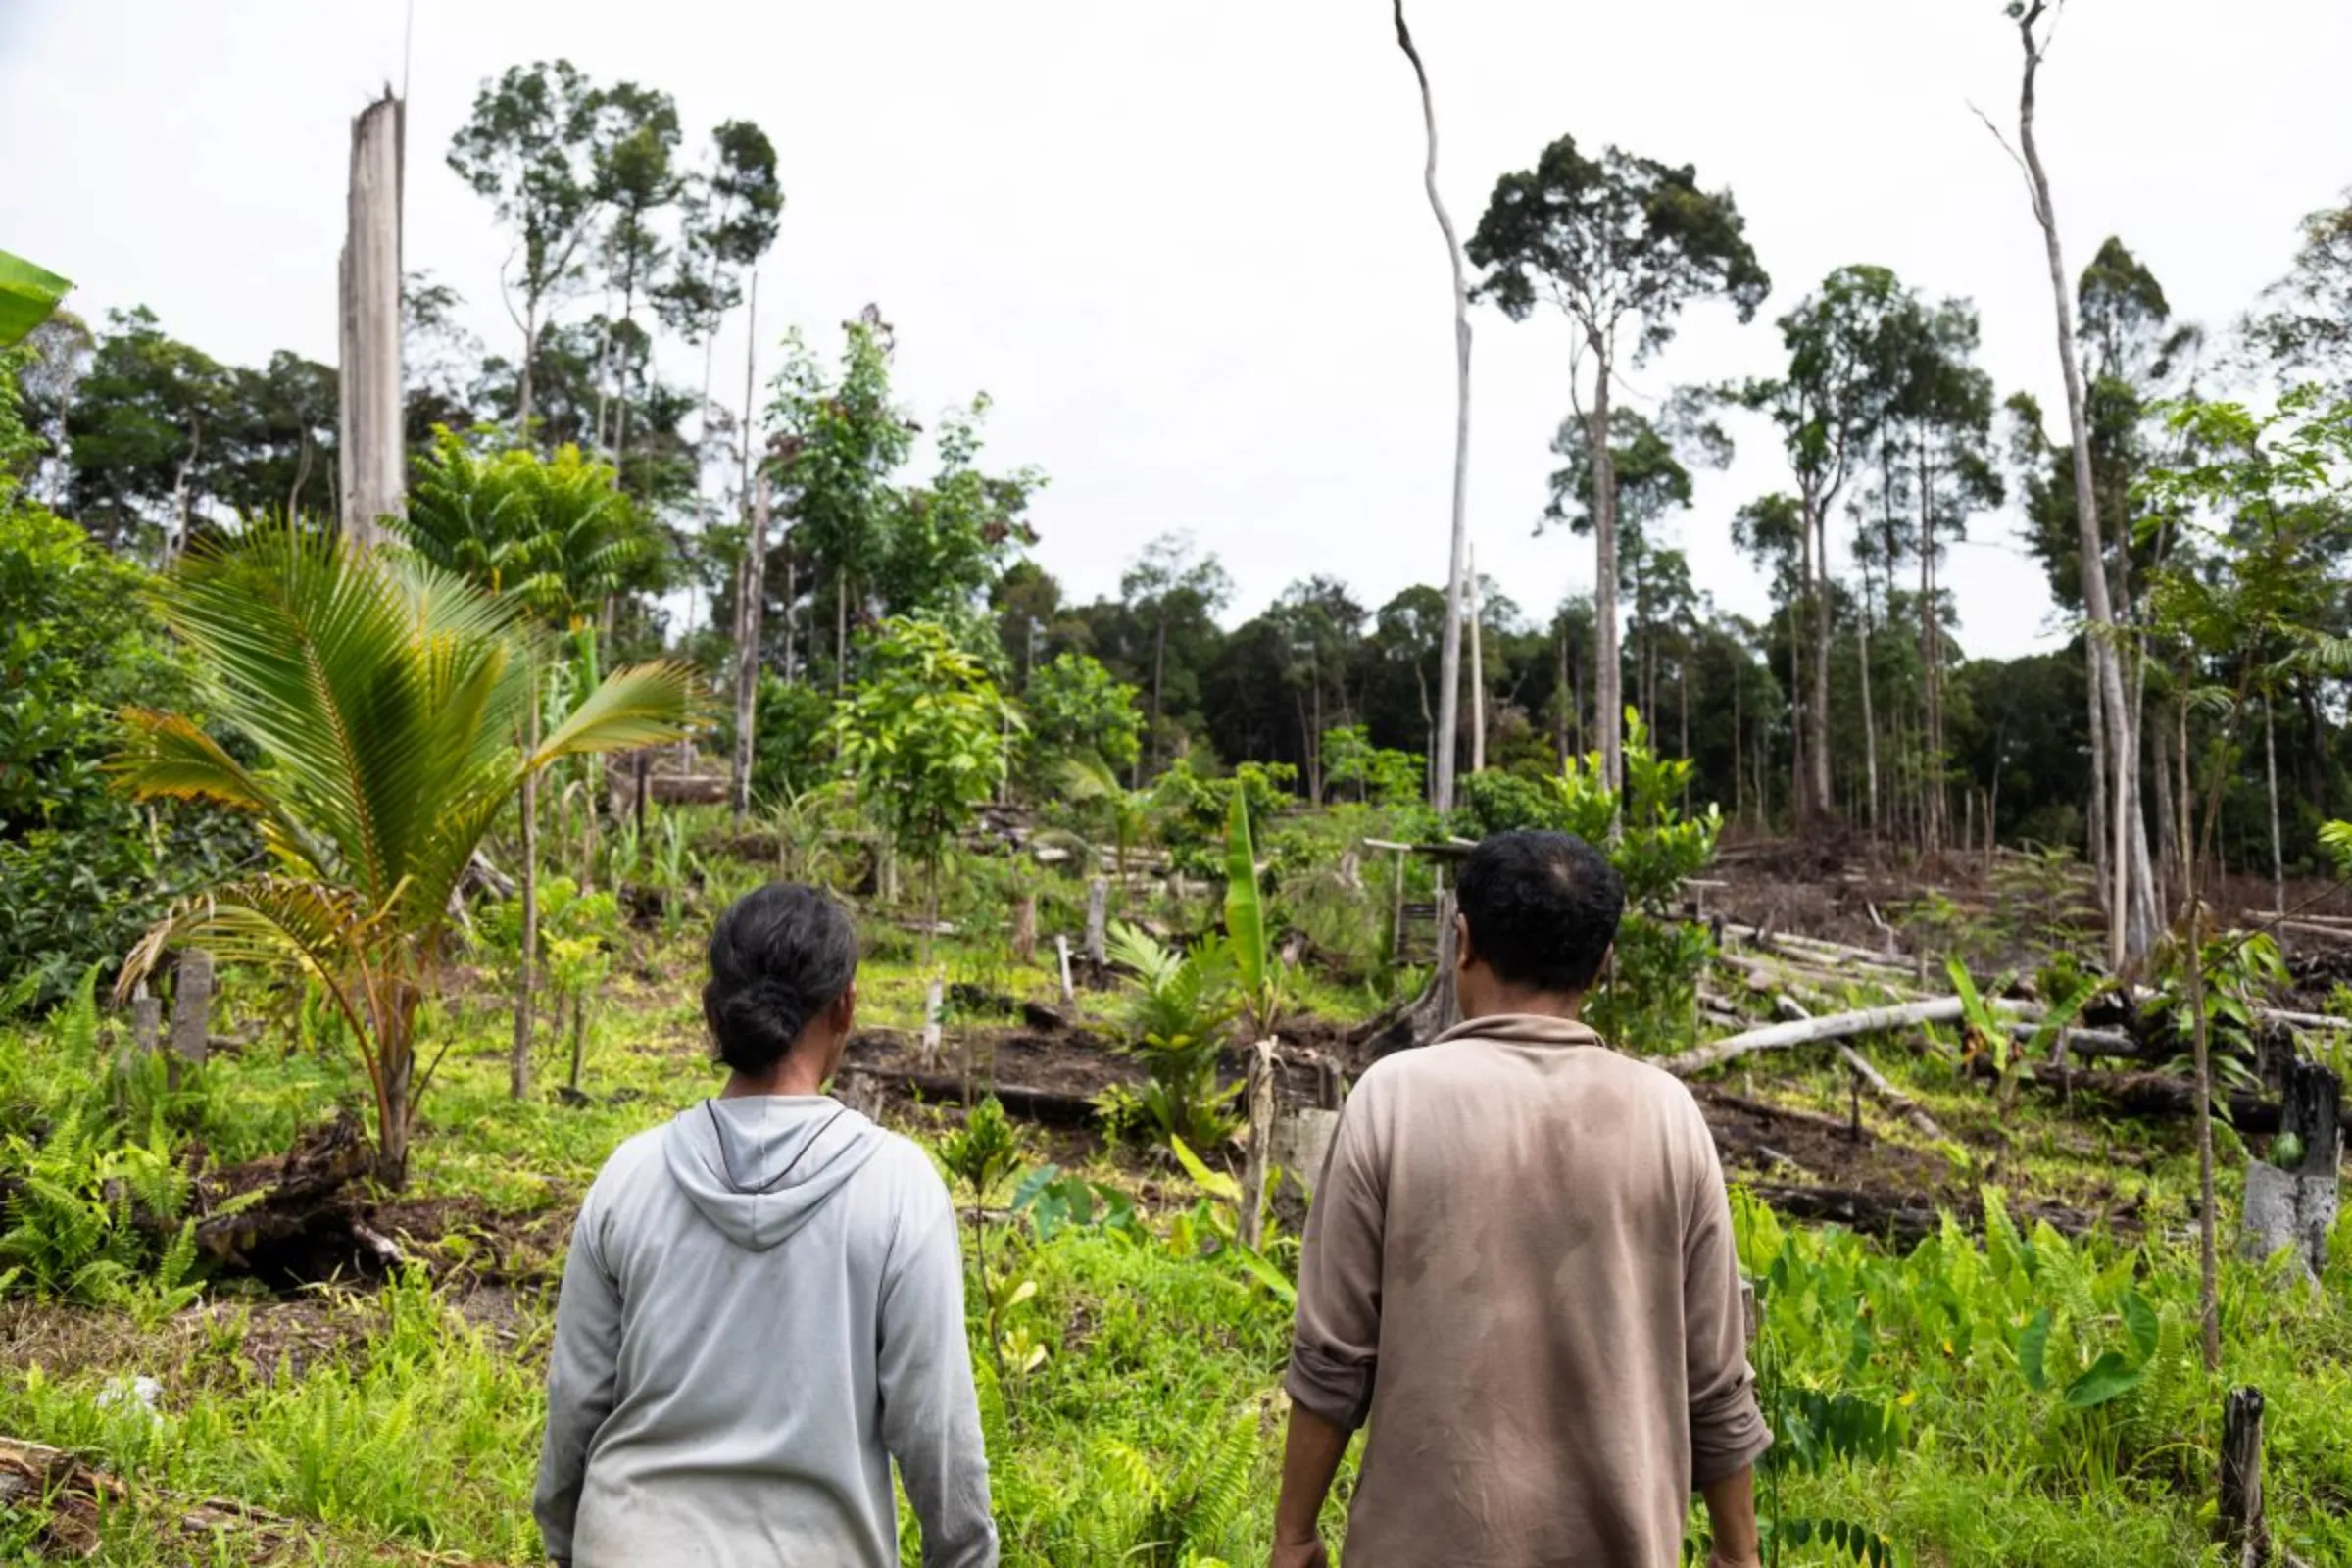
[(1098, 918), (1260, 1094), (371, 452), (191, 1011), (146, 1020), (2244, 1526), (1061, 951), (1024, 929), (932, 1000)]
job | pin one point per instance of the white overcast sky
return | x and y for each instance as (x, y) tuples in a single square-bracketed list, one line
[(1185, 245)]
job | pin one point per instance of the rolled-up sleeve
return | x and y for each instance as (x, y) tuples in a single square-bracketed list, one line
[(1335, 1350), (1728, 1433)]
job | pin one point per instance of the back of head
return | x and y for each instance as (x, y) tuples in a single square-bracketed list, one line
[(1542, 907), (779, 957)]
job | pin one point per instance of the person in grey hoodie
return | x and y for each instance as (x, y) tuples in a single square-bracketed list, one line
[(763, 1306)]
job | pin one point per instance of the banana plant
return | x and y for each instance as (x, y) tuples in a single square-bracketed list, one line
[(1258, 969)]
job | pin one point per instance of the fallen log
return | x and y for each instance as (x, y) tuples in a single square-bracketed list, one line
[(1811, 1031), (2301, 1020), (1055, 1107), (1908, 1218), (306, 1222), (1896, 1101), (2143, 1094)]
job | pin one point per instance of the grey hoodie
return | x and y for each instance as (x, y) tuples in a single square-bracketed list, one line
[(764, 1306)]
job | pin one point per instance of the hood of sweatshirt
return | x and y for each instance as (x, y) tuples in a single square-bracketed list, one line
[(761, 1167)]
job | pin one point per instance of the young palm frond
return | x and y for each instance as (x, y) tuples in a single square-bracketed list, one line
[(385, 695)]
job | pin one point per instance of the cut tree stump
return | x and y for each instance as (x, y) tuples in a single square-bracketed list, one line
[(191, 1011), (2295, 1206), (2245, 1528), (1024, 929), (1259, 1096), (1097, 923)]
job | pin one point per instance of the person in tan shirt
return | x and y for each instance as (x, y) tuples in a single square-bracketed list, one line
[(1519, 1271)]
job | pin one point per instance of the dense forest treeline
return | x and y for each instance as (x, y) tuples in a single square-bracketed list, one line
[(1854, 703)]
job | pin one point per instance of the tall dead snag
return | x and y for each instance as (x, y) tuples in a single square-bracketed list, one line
[(370, 450), (1449, 649), (2131, 893), (749, 600)]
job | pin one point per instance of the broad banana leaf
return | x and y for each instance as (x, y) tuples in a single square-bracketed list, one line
[(27, 296), (1244, 907)]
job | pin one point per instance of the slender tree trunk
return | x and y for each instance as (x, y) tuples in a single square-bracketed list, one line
[(1450, 655), (1870, 721), (2270, 764), (1160, 672), (841, 630), (1478, 670), (751, 599), (518, 1062), (1609, 674), (1564, 700), (1930, 756), (2131, 917), (1798, 705), (1814, 793), (530, 352)]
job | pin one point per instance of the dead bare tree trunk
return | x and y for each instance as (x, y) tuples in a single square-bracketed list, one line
[(751, 598), (1815, 795), (371, 454), (1478, 672), (1450, 655), (2131, 911)]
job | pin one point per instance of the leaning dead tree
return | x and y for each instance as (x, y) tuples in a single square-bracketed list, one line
[(1449, 653), (370, 452), (2130, 888)]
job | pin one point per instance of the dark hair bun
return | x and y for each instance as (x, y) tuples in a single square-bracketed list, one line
[(779, 957)]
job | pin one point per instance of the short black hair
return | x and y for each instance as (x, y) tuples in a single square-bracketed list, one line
[(1542, 907), (779, 957)]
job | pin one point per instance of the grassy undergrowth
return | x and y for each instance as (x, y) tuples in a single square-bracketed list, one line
[(399, 1423)]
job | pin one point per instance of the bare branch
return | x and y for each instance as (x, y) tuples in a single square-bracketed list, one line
[(2015, 157)]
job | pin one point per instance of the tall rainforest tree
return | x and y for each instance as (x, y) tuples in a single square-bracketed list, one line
[(2130, 892), (1654, 486), (2135, 356), (1829, 406), (635, 177), (385, 698), (1618, 243), (530, 148), (837, 440), (1937, 461), (1170, 587), (2306, 326)]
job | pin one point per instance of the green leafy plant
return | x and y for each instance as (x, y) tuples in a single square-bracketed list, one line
[(385, 696), (981, 1157), (28, 294), (1176, 1015), (1259, 970), (925, 734)]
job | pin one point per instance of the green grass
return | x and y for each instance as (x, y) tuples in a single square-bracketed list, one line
[(403, 1421)]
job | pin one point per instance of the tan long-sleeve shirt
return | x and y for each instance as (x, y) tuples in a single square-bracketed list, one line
[(1520, 1269)]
